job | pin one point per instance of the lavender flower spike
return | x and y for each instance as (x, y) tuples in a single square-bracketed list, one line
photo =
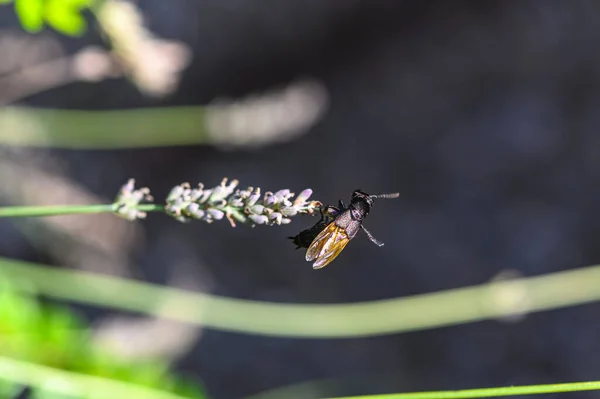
[(237, 205)]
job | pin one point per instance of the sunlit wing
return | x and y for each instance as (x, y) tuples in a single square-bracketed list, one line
[(316, 246), (327, 245), (330, 255)]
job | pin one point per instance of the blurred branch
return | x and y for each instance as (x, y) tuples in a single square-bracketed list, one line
[(91, 64), (74, 384), (276, 115), (391, 316), (153, 64), (23, 126)]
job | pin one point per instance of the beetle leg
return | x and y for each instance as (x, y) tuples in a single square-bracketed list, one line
[(334, 212), (322, 214), (373, 239)]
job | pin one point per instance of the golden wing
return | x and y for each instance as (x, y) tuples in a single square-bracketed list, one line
[(327, 245)]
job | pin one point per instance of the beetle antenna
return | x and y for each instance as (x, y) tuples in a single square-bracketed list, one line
[(373, 239), (387, 196)]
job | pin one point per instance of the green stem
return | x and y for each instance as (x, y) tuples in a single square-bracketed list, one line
[(419, 312), (73, 384), (56, 210), (77, 129), (489, 392)]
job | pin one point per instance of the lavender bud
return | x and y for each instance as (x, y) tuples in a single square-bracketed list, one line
[(205, 195), (219, 194), (286, 203), (133, 214), (136, 196), (216, 213), (236, 202), (172, 209), (286, 221), (276, 216), (248, 191), (234, 183), (253, 198), (185, 196), (195, 194), (175, 193), (283, 193), (147, 196), (128, 187), (303, 196), (179, 202), (243, 194), (270, 200), (198, 214), (258, 219), (193, 207), (257, 209), (223, 190), (291, 211)]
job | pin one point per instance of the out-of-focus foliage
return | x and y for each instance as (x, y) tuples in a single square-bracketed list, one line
[(62, 15), (54, 336)]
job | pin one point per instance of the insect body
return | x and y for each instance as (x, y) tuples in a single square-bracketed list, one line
[(306, 237), (346, 223)]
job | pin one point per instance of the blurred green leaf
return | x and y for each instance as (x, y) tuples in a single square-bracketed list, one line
[(31, 14), (186, 388), (65, 16), (49, 394), (9, 389), (18, 314), (53, 336), (148, 373), (61, 325)]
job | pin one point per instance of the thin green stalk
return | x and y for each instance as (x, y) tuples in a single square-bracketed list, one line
[(390, 316), (489, 392), (107, 129), (73, 384), (56, 210)]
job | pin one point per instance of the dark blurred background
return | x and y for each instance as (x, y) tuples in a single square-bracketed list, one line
[(483, 115)]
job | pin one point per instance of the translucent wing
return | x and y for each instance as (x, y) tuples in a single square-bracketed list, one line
[(317, 245), (327, 245), (330, 255)]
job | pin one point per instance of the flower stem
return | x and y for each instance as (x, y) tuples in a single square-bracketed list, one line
[(426, 311), (56, 210), (489, 392), (74, 384), (185, 203)]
